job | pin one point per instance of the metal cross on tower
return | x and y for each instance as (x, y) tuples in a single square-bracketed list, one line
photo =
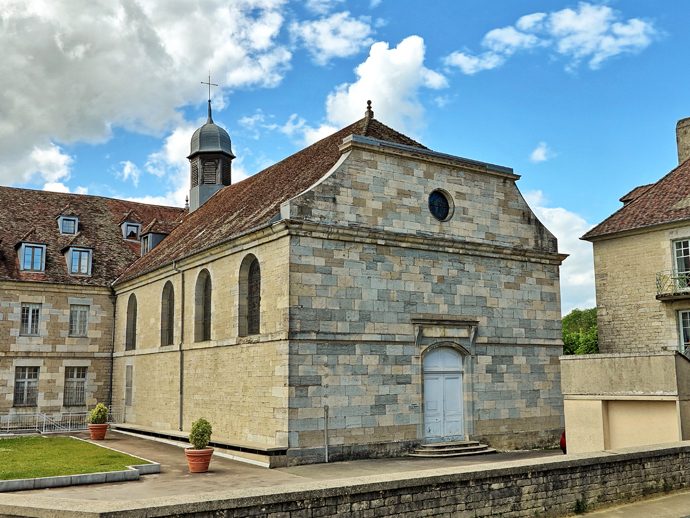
[(210, 84)]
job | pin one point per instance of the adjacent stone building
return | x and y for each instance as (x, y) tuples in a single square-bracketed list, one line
[(359, 297), (638, 390)]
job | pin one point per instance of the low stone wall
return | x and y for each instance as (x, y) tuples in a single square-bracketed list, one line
[(547, 487)]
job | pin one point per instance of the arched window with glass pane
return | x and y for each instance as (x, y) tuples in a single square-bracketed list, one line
[(167, 314), (202, 307), (131, 329), (250, 296)]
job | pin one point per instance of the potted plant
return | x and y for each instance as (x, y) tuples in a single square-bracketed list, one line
[(199, 455), (98, 422)]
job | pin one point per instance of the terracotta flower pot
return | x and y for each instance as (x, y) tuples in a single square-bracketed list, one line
[(97, 431), (198, 460)]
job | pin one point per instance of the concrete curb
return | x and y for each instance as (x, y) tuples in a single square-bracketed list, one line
[(132, 472)]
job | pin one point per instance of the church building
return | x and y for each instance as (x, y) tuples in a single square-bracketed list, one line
[(358, 298)]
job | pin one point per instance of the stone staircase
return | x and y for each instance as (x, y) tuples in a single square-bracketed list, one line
[(451, 449)]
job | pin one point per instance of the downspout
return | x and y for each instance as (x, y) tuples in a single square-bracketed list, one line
[(112, 352), (180, 349)]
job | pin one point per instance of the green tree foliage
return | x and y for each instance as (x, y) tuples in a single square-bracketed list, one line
[(580, 332)]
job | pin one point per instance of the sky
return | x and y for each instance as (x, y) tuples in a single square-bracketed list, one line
[(579, 98)]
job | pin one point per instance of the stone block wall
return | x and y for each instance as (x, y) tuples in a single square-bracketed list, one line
[(629, 316), (53, 349), (238, 383)]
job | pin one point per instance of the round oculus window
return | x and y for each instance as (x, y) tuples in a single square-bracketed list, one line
[(439, 205)]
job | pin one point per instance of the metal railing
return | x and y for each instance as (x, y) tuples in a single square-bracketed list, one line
[(48, 423), (671, 282)]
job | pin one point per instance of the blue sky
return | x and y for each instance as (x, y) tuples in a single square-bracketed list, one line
[(580, 98)]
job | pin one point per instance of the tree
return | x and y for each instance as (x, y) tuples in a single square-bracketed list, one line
[(580, 332)]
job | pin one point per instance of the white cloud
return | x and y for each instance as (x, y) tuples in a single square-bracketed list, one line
[(88, 68), (337, 36), (592, 33), (322, 6), (374, 3), (541, 153), (61, 187), (129, 171), (392, 79), (577, 271), (49, 163)]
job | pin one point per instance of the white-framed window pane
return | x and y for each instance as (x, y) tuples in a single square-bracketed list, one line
[(69, 226), (81, 262), (30, 316), (78, 320), (32, 258), (75, 386), (682, 253), (26, 386)]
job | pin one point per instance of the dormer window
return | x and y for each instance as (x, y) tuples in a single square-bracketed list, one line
[(79, 261), (145, 244), (32, 257), (131, 230), (68, 224)]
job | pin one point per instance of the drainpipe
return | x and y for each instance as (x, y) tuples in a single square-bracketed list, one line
[(180, 416), (325, 431), (112, 352)]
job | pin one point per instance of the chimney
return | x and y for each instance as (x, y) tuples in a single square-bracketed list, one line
[(683, 139)]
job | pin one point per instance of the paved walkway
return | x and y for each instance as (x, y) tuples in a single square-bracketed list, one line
[(676, 505), (175, 480)]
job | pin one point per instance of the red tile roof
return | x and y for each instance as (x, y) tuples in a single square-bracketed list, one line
[(251, 203), (31, 216), (666, 201)]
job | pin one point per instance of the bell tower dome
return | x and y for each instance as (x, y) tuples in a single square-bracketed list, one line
[(210, 160)]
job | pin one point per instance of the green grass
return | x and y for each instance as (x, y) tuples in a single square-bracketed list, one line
[(30, 457)]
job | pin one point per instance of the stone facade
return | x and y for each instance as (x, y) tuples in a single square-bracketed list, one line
[(358, 282), (629, 316), (52, 349)]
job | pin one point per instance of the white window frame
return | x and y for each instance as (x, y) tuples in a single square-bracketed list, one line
[(78, 319), (63, 219), (74, 393), (30, 248), (129, 225), (30, 318), (79, 252), (145, 244), (26, 386)]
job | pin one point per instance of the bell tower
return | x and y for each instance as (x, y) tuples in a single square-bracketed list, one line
[(210, 159)]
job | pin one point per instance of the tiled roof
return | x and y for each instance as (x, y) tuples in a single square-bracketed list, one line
[(31, 216), (250, 203), (666, 201)]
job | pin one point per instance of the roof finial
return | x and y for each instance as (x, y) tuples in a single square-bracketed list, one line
[(369, 114), (210, 84), (186, 202)]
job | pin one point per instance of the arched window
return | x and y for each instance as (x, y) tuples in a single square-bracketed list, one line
[(250, 297), (131, 330), (167, 314), (202, 307)]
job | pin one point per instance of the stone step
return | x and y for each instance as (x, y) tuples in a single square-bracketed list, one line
[(449, 443), (448, 455), (451, 449)]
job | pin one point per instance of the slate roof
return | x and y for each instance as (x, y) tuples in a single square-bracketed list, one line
[(251, 203), (31, 216), (666, 201)]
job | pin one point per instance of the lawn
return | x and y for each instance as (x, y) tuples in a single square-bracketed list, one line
[(39, 456)]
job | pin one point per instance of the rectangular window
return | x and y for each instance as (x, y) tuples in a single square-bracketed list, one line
[(31, 313), (32, 257), (684, 332), (681, 250), (131, 231), (128, 385), (75, 386), (26, 386), (68, 225), (78, 319), (80, 263)]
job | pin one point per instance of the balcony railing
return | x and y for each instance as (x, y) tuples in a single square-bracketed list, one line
[(672, 285)]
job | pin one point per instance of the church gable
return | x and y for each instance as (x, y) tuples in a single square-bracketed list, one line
[(395, 188)]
